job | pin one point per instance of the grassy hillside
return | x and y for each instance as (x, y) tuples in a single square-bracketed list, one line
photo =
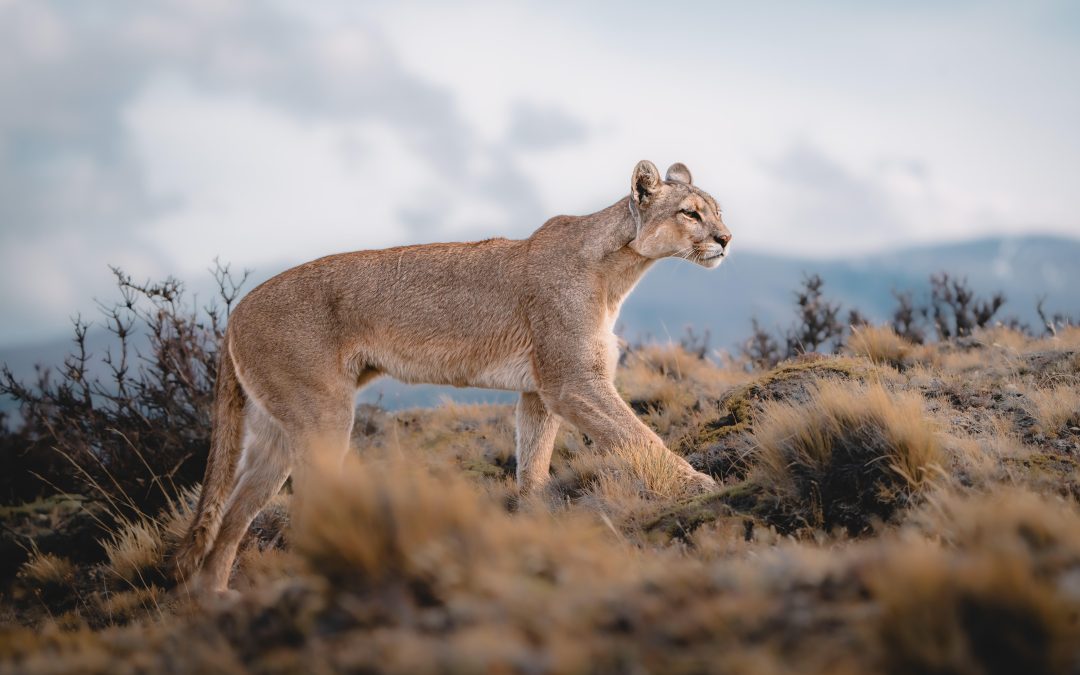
[(893, 508)]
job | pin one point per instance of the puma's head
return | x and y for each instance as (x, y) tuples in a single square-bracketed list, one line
[(674, 218)]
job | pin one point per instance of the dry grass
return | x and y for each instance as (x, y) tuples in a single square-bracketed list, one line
[(135, 550), (944, 612), (998, 597), (663, 383), (698, 376), (851, 454), (660, 474), (382, 521), (885, 511), (47, 570), (1056, 410), (883, 347), (137, 602), (1003, 337)]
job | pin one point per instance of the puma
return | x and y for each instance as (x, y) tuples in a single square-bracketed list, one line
[(533, 316)]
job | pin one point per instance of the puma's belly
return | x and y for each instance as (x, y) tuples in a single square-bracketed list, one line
[(510, 371), (513, 372)]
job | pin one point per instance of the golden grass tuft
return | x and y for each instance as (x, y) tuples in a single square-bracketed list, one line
[(1008, 519), (883, 347), (851, 454), (997, 597), (382, 521), (663, 382), (47, 571), (133, 603), (1003, 337), (1068, 337), (391, 529), (1055, 410), (175, 518), (675, 363), (661, 473), (135, 550), (942, 613)]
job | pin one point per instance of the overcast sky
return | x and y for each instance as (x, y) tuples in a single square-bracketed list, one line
[(158, 135)]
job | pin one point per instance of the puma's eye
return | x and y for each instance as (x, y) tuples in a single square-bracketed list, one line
[(693, 214)]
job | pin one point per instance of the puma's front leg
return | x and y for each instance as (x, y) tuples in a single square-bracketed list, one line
[(536, 429), (594, 406)]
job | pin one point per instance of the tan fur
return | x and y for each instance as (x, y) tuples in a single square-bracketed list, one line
[(533, 316)]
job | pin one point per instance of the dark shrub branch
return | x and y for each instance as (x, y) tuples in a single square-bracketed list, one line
[(137, 426)]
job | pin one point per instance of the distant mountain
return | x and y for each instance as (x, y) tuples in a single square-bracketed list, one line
[(676, 294)]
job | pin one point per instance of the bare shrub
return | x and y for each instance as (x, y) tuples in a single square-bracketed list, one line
[(817, 328), (137, 434), (817, 320), (1055, 322), (761, 349), (695, 343), (956, 310), (952, 310), (847, 456), (906, 318)]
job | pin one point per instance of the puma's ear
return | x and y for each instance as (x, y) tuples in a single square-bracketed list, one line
[(679, 172), (645, 182)]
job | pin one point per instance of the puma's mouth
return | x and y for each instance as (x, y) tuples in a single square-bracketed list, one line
[(714, 256)]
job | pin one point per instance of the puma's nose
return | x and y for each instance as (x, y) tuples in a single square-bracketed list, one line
[(722, 238)]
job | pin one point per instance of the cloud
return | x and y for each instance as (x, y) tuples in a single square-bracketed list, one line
[(850, 208), (829, 197), (543, 127), (73, 80), (167, 133), (163, 133)]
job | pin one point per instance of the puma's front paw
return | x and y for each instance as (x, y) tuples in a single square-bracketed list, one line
[(701, 483)]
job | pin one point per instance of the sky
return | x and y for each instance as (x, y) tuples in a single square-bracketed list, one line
[(157, 136)]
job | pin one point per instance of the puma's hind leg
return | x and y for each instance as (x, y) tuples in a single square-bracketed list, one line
[(267, 459), (308, 437)]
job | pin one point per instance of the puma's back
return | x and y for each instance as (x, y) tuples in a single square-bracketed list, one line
[(435, 313)]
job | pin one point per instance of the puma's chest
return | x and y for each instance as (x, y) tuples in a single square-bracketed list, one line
[(611, 341)]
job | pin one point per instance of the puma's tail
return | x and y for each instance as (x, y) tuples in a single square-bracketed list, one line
[(225, 447)]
